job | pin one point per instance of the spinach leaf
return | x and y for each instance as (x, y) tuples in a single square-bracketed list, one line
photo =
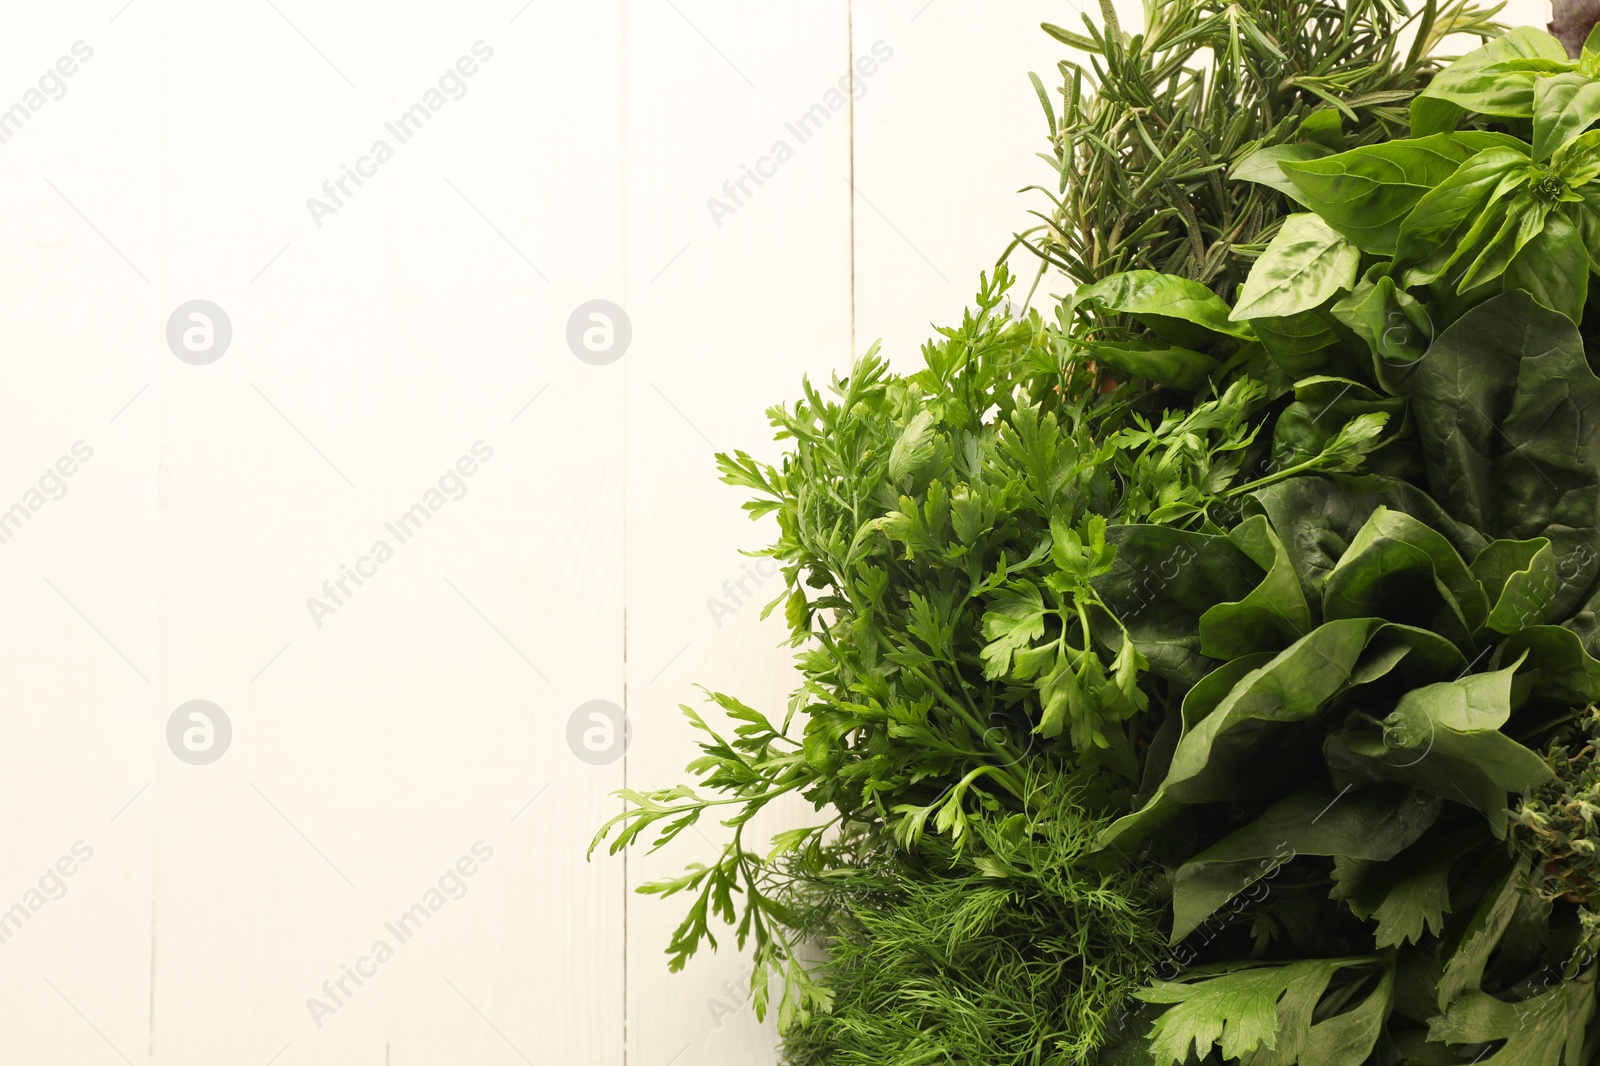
[(1372, 825), (1445, 739), (1555, 663), (1159, 584), (1229, 750), (1306, 343), (1504, 408), (1317, 518), (1165, 364), (1554, 266), (1401, 569), (1271, 615), (1519, 577), (1394, 324)]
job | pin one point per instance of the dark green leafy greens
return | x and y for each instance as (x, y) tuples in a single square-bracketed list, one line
[(1441, 628)]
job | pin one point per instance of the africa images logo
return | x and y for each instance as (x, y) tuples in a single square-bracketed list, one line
[(736, 192)]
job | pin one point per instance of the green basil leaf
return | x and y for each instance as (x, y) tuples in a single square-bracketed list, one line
[(1529, 66), (1367, 192), (1468, 84), (1563, 107), (1176, 309), (1524, 220), (1261, 166), (1554, 266), (1431, 236), (1492, 223), (1325, 127), (1430, 115), (1577, 163), (1306, 265)]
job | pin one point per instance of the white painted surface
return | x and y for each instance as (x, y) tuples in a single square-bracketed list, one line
[(428, 712)]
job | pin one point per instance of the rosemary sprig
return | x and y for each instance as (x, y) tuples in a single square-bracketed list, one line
[(1144, 133)]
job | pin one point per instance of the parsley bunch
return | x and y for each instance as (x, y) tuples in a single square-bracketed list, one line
[(940, 536)]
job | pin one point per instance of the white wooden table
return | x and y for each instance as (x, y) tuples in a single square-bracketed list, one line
[(398, 373)]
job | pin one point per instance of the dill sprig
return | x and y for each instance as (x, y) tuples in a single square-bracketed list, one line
[(1017, 950)]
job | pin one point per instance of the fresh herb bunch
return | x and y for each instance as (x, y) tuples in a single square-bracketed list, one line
[(939, 536), (1150, 126), (1014, 951), (1281, 563)]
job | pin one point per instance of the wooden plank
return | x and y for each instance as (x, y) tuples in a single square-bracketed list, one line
[(739, 283), (944, 140), (78, 562), (414, 726)]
